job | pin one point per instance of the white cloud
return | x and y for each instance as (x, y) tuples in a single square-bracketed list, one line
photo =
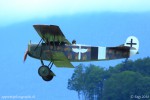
[(12, 11)]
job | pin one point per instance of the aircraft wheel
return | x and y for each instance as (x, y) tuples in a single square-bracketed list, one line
[(44, 71), (48, 77)]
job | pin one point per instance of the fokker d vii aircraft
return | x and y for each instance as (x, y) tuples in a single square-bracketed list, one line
[(54, 47)]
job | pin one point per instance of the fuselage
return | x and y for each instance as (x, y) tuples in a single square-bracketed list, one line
[(77, 52)]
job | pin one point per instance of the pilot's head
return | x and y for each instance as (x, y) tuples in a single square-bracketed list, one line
[(74, 42)]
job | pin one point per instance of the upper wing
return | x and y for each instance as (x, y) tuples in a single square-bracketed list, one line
[(60, 60), (50, 33)]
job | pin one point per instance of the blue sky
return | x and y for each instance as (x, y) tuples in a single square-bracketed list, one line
[(24, 10), (99, 23)]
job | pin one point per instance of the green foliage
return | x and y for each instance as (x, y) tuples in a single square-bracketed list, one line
[(140, 65), (81, 78), (120, 86), (121, 82), (77, 80), (123, 85)]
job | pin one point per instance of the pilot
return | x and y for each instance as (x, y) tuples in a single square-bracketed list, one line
[(74, 42)]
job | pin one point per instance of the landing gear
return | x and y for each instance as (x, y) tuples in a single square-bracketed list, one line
[(48, 77), (45, 72)]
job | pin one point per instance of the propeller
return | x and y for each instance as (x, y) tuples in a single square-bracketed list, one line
[(27, 51), (25, 56)]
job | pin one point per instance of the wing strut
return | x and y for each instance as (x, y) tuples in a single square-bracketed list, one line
[(38, 44)]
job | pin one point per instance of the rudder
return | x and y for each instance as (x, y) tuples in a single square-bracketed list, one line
[(133, 43)]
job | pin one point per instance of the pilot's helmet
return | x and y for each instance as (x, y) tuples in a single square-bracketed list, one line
[(74, 42)]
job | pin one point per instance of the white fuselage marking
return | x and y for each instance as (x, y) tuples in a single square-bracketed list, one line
[(79, 51), (101, 53)]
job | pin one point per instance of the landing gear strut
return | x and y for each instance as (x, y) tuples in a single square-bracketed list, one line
[(45, 72)]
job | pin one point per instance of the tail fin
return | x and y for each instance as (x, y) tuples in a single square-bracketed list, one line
[(132, 42)]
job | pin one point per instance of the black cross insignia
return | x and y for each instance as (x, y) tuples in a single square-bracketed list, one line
[(131, 43)]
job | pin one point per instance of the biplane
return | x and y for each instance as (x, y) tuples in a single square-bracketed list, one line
[(54, 47)]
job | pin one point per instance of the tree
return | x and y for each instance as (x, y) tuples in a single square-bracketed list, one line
[(87, 81), (116, 87), (77, 80), (95, 76), (122, 82), (123, 85), (128, 79), (140, 65)]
